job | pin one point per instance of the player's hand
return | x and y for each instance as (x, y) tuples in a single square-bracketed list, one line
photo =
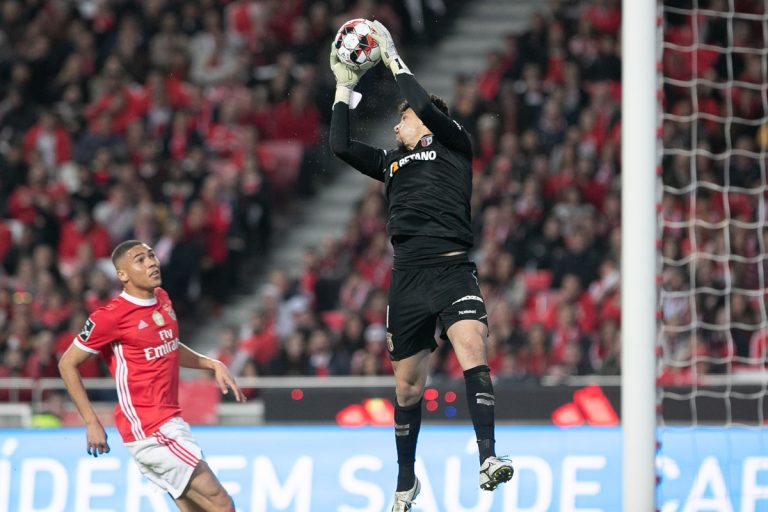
[(97, 439), (226, 382), (345, 76), (383, 38)]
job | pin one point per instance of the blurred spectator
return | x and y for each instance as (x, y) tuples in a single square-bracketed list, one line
[(81, 231), (609, 349), (292, 359), (116, 213), (534, 355), (42, 362), (213, 52), (259, 340), (226, 347), (323, 359), (352, 337), (373, 358), (51, 140)]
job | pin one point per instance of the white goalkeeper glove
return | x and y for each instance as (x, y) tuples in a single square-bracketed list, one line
[(346, 80), (389, 54)]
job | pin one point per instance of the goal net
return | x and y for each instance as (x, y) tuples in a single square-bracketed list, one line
[(712, 340)]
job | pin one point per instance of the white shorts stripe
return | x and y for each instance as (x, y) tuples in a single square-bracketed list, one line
[(124, 393)]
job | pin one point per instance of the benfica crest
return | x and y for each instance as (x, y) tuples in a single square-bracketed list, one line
[(169, 309), (426, 141), (157, 317)]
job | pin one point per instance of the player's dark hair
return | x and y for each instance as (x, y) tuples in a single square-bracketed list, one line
[(122, 248), (437, 101)]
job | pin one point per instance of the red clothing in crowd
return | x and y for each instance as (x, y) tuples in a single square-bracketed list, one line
[(41, 367), (561, 337), (62, 143), (489, 82), (226, 140), (606, 19), (534, 362), (302, 125), (219, 219), (281, 21), (125, 106), (21, 203), (375, 268), (242, 19), (71, 239), (583, 309), (261, 346), (50, 315), (6, 239)]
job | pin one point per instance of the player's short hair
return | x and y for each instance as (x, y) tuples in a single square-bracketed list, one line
[(122, 248), (437, 101)]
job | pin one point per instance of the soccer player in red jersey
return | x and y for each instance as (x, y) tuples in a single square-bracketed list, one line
[(138, 335)]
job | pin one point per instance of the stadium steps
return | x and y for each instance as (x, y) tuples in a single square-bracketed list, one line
[(480, 27), (318, 218), (324, 216)]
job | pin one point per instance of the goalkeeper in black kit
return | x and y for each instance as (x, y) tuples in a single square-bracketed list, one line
[(428, 184)]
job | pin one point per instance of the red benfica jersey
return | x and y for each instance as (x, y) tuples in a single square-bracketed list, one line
[(139, 339)]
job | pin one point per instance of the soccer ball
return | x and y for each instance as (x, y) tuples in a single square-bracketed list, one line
[(355, 46)]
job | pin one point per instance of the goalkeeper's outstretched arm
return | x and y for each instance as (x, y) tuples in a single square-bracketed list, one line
[(364, 158), (445, 129)]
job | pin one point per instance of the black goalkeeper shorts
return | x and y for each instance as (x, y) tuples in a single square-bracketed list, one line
[(420, 297)]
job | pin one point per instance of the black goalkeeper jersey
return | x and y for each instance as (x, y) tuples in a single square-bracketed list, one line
[(428, 188)]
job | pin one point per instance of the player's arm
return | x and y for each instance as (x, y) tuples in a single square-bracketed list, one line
[(69, 368), (188, 358), (364, 158), (446, 130)]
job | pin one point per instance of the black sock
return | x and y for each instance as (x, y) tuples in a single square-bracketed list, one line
[(481, 402), (407, 425)]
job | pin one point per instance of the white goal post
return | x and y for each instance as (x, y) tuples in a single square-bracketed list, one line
[(638, 261)]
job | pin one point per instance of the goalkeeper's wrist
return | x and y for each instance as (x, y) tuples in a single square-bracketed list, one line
[(343, 92), (397, 66)]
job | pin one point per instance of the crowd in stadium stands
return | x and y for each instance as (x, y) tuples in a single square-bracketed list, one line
[(178, 122), (135, 120)]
